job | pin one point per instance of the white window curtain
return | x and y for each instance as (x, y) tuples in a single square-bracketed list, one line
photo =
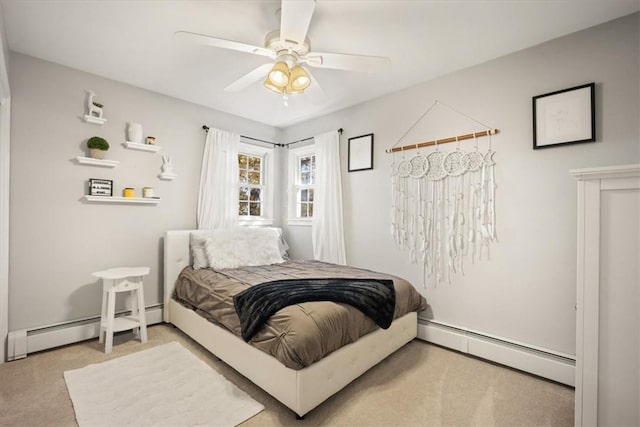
[(327, 227), (219, 183)]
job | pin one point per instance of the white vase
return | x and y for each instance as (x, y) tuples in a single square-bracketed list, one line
[(134, 133)]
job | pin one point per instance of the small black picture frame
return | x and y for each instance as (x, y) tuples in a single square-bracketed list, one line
[(360, 153), (100, 187), (564, 117)]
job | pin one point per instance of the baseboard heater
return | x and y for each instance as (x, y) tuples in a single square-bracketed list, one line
[(535, 360), (25, 341)]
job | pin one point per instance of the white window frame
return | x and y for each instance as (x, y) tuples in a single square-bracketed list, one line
[(267, 156), (294, 184)]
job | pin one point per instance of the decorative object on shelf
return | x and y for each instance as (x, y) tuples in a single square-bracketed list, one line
[(94, 110), (443, 204), (167, 169), (147, 192), (134, 132), (167, 164), (564, 117), (97, 162), (360, 155), (151, 140), (123, 200), (128, 192), (142, 147), (100, 187), (98, 147)]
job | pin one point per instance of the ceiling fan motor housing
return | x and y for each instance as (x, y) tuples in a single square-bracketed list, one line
[(287, 49)]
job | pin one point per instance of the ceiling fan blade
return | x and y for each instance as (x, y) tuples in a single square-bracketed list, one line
[(340, 61), (314, 92), (295, 17), (224, 44), (249, 78)]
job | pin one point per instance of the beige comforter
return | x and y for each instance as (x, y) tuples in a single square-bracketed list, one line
[(298, 335)]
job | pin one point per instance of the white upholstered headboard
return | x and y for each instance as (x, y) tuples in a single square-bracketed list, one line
[(176, 257)]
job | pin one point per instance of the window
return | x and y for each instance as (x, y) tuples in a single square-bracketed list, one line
[(251, 185), (306, 171), (302, 179), (255, 195)]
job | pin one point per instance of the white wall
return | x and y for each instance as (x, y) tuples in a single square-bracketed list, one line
[(56, 239), (526, 292)]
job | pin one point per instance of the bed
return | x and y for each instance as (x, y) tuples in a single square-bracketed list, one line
[(300, 390)]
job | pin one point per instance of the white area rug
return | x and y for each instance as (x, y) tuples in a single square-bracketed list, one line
[(163, 386)]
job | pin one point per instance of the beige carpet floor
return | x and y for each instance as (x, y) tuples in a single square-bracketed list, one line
[(419, 385)]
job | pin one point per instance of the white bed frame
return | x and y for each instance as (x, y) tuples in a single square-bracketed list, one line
[(299, 390)]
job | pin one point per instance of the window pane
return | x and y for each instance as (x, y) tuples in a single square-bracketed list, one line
[(254, 208), (305, 178), (244, 193), (254, 163), (255, 195), (243, 177), (304, 195), (310, 195), (305, 164), (242, 161), (303, 210), (254, 178), (312, 178), (310, 209), (243, 208)]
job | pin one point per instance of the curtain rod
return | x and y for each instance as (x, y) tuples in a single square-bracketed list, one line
[(275, 144)]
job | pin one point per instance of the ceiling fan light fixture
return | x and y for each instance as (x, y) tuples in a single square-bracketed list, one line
[(290, 90), (277, 89), (299, 79), (279, 74)]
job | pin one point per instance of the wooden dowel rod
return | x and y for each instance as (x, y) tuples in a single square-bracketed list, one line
[(443, 141)]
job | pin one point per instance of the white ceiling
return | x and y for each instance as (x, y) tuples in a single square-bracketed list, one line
[(132, 42)]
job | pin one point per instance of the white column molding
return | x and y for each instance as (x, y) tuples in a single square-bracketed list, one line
[(592, 183)]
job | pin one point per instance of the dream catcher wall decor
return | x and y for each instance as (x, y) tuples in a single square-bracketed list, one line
[(443, 203)]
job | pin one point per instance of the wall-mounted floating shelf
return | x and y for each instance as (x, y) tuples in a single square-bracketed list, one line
[(167, 176), (97, 162), (142, 147), (95, 120), (129, 200)]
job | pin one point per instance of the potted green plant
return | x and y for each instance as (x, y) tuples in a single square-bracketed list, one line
[(97, 147)]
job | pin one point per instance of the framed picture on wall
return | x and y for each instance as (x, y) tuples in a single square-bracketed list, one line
[(564, 117), (360, 153)]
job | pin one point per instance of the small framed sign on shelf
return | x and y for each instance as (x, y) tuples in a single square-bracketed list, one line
[(360, 153), (100, 187), (564, 117)]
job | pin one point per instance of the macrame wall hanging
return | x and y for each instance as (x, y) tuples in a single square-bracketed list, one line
[(443, 203)]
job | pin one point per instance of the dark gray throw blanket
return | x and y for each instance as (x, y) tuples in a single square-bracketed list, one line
[(376, 298)]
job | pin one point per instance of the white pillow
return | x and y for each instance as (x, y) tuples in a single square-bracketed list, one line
[(197, 241), (243, 247), (282, 244)]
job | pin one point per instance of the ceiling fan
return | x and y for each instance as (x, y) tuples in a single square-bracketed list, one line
[(290, 49)]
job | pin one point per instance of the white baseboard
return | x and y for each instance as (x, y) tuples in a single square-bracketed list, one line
[(25, 341), (544, 363)]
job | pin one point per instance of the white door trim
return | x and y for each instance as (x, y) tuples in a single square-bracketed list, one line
[(5, 120), (5, 136)]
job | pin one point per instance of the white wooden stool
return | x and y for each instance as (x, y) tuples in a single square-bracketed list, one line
[(125, 279)]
